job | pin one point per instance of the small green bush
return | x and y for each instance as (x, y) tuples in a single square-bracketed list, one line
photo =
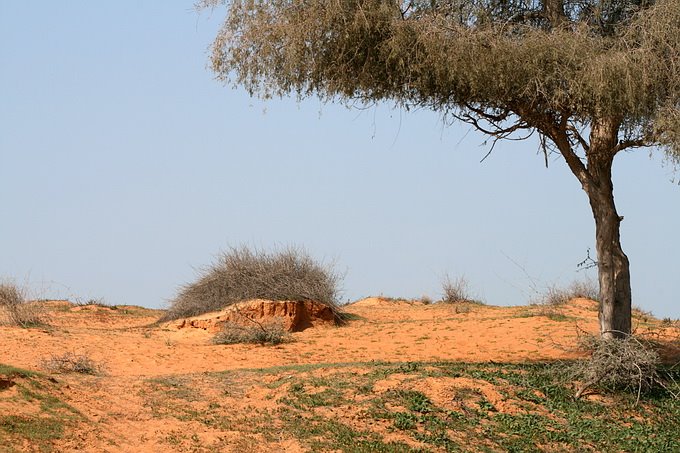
[(242, 274)]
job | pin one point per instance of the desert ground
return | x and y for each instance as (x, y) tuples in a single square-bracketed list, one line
[(398, 376)]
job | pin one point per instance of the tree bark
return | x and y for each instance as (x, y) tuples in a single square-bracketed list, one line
[(613, 264), (596, 180)]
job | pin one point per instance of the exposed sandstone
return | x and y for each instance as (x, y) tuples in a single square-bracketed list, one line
[(295, 315)]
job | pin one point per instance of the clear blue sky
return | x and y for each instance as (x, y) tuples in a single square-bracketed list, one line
[(124, 167)]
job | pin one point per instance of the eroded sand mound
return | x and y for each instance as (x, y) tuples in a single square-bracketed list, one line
[(296, 316)]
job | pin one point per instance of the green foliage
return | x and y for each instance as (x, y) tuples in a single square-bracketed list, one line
[(242, 274), (552, 417), (31, 428), (415, 401)]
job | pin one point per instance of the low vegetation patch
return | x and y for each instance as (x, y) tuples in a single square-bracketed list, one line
[(70, 362), (539, 414), (457, 290), (257, 333), (15, 310), (418, 407), (578, 289), (242, 274), (550, 302), (95, 302), (36, 415)]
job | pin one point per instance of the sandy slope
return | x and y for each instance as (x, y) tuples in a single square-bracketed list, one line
[(137, 355)]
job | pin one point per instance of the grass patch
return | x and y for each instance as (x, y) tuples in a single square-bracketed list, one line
[(546, 412), (388, 407), (36, 416), (11, 371), (31, 428)]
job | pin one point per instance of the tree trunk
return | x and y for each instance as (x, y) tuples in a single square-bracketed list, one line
[(596, 180), (613, 265)]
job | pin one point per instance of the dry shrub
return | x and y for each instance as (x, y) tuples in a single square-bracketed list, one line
[(94, 302), (71, 362), (629, 364), (578, 289), (232, 333), (243, 274), (585, 289), (15, 310), (456, 290), (642, 314)]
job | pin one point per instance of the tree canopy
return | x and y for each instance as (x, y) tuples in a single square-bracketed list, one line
[(505, 66)]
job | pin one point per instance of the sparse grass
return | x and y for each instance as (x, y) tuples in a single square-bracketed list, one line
[(551, 417), (50, 419), (71, 362), (642, 315), (8, 370), (15, 310), (550, 302), (242, 274), (95, 302), (555, 295), (393, 299), (338, 407), (346, 316), (272, 334), (670, 322), (552, 312)]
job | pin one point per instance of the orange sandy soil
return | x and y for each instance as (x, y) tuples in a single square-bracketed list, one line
[(138, 356)]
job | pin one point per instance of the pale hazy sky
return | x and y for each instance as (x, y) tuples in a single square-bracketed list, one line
[(124, 167)]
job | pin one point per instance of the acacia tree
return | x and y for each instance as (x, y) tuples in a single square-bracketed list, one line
[(591, 77)]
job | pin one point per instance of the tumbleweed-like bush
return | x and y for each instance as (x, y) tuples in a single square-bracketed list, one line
[(241, 274), (628, 364), (457, 290), (15, 310), (70, 362)]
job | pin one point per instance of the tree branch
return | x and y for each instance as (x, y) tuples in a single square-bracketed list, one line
[(579, 138), (636, 143)]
